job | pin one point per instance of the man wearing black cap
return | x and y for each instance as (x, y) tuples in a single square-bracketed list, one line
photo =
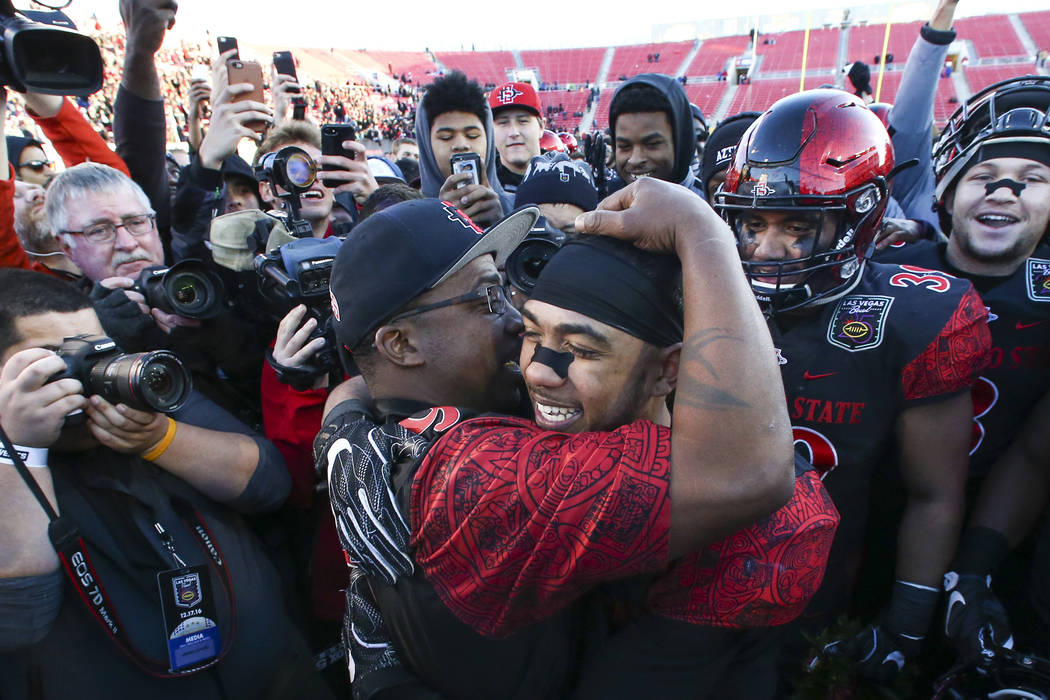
[(27, 156), (993, 194), (721, 147), (592, 508), (562, 189)]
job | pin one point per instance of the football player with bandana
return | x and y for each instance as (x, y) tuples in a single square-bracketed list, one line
[(992, 168), (877, 360)]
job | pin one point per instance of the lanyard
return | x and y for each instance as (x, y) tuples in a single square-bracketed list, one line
[(71, 550)]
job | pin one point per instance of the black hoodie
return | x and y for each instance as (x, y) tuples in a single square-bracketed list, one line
[(682, 129)]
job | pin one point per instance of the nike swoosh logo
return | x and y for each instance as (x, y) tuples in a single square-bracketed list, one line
[(807, 375), (956, 598), (1022, 326)]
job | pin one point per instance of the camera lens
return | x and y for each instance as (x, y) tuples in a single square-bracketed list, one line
[(527, 262), (147, 381), (300, 170)]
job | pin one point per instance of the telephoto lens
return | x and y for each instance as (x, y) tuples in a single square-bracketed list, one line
[(524, 265), (145, 381), (187, 288)]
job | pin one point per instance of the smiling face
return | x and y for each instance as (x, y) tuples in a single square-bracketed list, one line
[(517, 133), (644, 146), (994, 232), (457, 132), (613, 379)]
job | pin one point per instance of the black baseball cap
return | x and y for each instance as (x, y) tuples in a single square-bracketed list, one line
[(398, 253)]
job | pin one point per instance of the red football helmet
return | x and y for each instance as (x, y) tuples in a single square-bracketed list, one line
[(820, 152), (549, 141), (882, 111), (571, 145)]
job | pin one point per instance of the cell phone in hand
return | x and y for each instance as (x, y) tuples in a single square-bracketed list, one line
[(284, 64), (467, 163), (225, 43), (248, 72), (332, 137)]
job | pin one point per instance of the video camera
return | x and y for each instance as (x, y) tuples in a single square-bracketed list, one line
[(188, 288), (299, 272), (524, 265), (293, 171), (43, 52), (145, 381)]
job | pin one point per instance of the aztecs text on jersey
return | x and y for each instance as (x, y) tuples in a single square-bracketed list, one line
[(1018, 373), (904, 336)]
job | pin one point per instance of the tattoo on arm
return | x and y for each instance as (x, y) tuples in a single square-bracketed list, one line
[(697, 391)]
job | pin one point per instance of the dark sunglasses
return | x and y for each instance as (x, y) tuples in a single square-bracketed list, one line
[(37, 165)]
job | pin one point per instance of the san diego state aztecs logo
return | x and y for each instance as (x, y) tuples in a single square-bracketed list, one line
[(1038, 279), (858, 322)]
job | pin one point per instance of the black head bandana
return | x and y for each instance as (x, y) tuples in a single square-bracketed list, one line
[(557, 361), (1013, 185), (597, 283)]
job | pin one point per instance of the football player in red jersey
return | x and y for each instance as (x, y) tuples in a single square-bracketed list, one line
[(875, 358), (992, 165), (497, 526)]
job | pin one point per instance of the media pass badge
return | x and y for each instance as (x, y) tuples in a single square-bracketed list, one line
[(189, 617)]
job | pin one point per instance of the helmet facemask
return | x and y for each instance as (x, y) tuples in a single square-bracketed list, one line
[(832, 266)]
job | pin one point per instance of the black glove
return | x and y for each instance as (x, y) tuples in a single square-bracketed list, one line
[(124, 322), (358, 458), (976, 622), (876, 652), (881, 650)]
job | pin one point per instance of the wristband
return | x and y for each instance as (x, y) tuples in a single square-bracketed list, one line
[(910, 610), (31, 456), (165, 442)]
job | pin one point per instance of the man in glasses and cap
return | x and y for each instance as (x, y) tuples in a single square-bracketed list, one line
[(503, 522)]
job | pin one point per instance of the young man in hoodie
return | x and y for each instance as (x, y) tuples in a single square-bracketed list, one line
[(652, 131), (454, 117)]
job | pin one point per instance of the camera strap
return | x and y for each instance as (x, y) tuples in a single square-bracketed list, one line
[(72, 552)]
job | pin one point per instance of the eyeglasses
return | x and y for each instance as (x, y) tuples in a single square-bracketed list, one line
[(37, 165), (495, 295), (138, 225)]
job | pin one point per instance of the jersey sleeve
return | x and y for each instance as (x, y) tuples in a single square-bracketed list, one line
[(955, 358), (510, 524)]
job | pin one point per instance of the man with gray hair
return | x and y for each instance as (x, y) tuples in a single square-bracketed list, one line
[(104, 222)]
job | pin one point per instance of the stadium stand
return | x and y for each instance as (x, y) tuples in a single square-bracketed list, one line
[(564, 106), (993, 36), (631, 60), (565, 66), (711, 59), (759, 94), (980, 77), (487, 67), (865, 42), (707, 96), (601, 114), (785, 53), (1038, 26)]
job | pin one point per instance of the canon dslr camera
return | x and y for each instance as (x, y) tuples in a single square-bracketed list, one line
[(146, 381)]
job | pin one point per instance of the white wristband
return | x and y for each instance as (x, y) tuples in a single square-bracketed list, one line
[(32, 456)]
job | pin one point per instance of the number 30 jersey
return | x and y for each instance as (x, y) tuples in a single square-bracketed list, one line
[(904, 336), (1018, 373)]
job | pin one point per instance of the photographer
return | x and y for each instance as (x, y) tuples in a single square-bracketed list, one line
[(454, 117), (151, 496), (83, 204)]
